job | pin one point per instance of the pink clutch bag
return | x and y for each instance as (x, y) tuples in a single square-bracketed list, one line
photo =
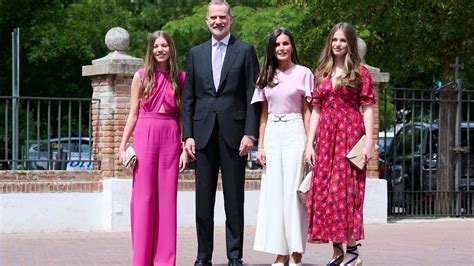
[(130, 157), (355, 155)]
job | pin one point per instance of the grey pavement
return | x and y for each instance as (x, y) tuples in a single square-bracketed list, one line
[(406, 242)]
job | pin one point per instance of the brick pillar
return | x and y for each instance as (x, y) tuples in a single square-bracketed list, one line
[(377, 78), (111, 77)]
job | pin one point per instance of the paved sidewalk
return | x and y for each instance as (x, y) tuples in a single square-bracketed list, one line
[(409, 242)]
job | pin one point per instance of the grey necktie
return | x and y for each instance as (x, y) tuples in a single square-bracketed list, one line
[(217, 64)]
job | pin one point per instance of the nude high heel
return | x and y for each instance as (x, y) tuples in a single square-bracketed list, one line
[(282, 263), (299, 263)]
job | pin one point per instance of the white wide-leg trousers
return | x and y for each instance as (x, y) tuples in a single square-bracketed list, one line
[(282, 219)]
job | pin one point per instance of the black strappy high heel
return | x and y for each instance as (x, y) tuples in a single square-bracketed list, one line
[(339, 259), (353, 251)]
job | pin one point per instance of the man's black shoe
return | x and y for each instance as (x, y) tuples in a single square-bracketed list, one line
[(235, 262), (200, 262)]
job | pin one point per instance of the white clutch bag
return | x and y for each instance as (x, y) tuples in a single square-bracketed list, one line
[(355, 155), (130, 157), (303, 188)]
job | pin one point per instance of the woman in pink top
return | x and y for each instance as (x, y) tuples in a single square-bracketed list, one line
[(156, 99), (283, 87)]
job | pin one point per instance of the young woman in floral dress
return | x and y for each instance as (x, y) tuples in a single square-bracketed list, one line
[(342, 113)]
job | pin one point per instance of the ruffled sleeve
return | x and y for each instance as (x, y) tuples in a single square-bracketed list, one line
[(367, 94), (258, 96), (308, 85), (316, 99)]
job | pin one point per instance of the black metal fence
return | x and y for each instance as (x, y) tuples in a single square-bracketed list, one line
[(46, 133), (427, 149)]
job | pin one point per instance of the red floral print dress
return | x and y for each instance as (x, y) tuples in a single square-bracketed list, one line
[(336, 196)]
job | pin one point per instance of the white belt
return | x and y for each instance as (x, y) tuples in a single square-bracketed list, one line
[(284, 117)]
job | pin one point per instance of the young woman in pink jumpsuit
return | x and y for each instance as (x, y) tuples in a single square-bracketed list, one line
[(154, 120)]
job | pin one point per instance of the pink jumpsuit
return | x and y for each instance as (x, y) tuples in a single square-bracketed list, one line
[(155, 178)]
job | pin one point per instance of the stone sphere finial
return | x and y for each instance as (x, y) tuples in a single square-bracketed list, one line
[(117, 39), (361, 48)]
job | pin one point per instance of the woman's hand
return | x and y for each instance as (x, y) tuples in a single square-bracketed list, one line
[(309, 156), (368, 150), (121, 156), (261, 157), (183, 161)]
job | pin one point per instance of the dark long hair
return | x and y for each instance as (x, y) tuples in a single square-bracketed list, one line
[(266, 77)]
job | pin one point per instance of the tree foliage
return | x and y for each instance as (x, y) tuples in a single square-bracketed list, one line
[(412, 40), (252, 25)]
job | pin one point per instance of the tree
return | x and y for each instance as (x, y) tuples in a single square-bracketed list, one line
[(411, 40), (252, 25)]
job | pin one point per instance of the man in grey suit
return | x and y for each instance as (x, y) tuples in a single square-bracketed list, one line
[(219, 127)]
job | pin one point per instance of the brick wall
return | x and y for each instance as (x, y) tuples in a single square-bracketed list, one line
[(109, 118), (89, 181), (22, 181), (373, 165), (377, 78)]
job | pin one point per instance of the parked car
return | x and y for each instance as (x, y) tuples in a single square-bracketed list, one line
[(411, 160), (252, 159), (75, 153), (385, 139)]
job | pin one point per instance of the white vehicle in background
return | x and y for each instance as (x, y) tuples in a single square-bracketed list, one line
[(63, 154), (385, 139)]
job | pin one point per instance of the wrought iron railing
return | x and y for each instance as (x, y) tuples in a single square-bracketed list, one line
[(46, 133), (428, 164)]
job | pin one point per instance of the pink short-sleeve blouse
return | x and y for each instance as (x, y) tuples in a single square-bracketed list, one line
[(286, 97)]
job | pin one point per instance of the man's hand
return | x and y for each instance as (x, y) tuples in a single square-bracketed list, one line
[(246, 145), (189, 147)]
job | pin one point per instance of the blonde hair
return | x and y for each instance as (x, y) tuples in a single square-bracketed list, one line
[(151, 64), (350, 76)]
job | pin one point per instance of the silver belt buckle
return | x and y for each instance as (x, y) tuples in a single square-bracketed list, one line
[(280, 118)]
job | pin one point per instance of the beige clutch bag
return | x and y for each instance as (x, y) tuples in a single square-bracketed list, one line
[(303, 188), (355, 156), (130, 157)]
